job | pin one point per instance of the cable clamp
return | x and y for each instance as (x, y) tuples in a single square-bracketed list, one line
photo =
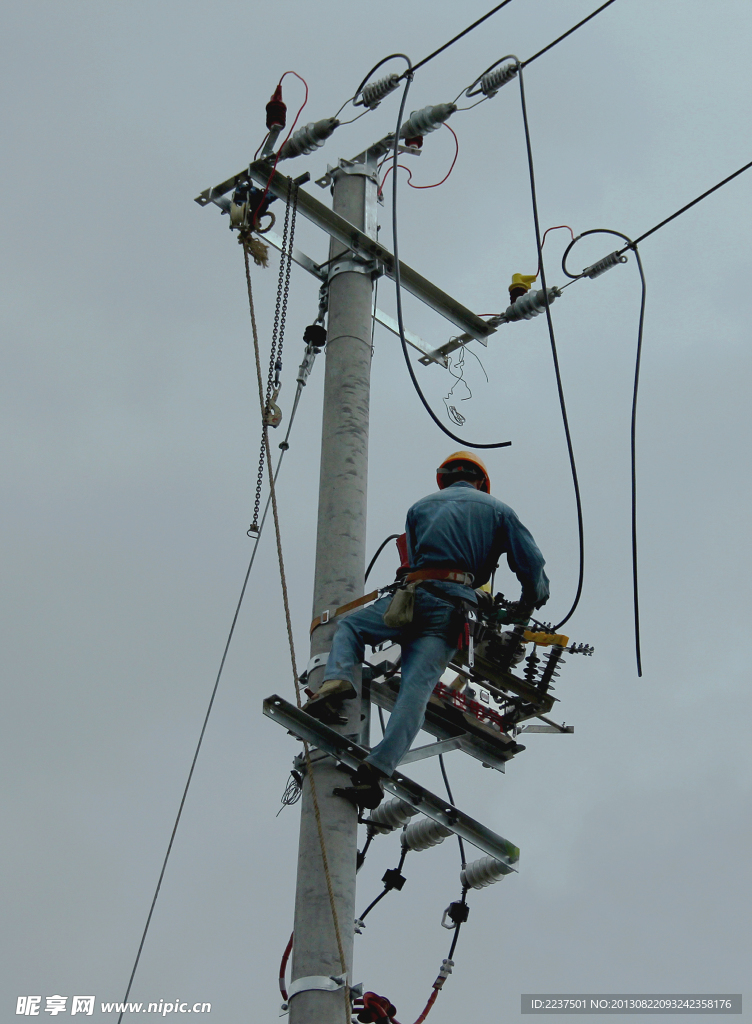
[(354, 265), (316, 983), (316, 661), (357, 168)]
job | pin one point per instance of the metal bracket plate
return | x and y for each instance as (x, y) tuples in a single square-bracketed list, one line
[(431, 750), (368, 248), (351, 754), (319, 271), (316, 983)]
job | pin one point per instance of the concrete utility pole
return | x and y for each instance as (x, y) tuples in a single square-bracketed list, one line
[(340, 565)]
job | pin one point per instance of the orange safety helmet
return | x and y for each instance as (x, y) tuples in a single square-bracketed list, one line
[(444, 473)]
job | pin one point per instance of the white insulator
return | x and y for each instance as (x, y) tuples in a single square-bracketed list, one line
[(424, 834), (493, 81), (421, 122), (529, 305), (603, 265), (373, 93), (482, 872), (308, 138), (391, 814)]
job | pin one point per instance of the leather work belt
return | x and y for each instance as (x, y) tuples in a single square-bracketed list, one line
[(328, 615), (445, 575)]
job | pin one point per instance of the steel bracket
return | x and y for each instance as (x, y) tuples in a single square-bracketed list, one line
[(355, 167), (316, 661), (352, 265), (350, 753), (320, 983), (353, 238)]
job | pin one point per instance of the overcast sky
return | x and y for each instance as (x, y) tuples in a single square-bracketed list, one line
[(131, 440)]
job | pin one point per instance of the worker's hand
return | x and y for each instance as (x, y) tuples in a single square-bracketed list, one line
[(515, 612)]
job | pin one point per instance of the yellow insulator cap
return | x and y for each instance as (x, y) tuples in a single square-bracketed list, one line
[(523, 281)]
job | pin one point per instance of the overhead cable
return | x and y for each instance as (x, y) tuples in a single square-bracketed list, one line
[(633, 426), (687, 207), (559, 387), (464, 32), (398, 288), (567, 33)]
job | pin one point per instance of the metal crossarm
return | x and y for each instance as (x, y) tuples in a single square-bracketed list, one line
[(346, 751), (359, 242)]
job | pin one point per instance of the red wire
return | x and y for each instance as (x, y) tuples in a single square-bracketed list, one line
[(544, 239), (427, 1008), (283, 967), (276, 159), (410, 173)]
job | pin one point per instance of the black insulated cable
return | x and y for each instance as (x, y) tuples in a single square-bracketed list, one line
[(687, 207), (392, 536), (398, 287), (559, 387), (633, 426), (464, 32), (567, 33)]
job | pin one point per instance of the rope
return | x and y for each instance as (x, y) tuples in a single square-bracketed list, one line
[(291, 643)]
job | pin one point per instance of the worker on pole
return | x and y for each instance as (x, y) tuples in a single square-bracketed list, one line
[(455, 538)]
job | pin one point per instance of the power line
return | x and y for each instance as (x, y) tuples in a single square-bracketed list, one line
[(464, 32), (409, 71), (567, 33), (687, 207)]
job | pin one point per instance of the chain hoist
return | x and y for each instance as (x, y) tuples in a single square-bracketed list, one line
[(272, 414)]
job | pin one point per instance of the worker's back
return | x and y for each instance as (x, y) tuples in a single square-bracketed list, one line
[(460, 527)]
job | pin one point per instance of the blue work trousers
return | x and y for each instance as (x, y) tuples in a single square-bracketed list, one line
[(428, 644)]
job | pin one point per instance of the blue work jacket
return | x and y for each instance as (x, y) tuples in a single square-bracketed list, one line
[(460, 527)]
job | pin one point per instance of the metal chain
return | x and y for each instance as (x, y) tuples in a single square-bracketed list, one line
[(288, 622), (278, 334)]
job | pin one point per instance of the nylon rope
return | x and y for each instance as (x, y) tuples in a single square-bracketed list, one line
[(288, 622)]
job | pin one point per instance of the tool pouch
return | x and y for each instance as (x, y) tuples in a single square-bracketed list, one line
[(401, 607)]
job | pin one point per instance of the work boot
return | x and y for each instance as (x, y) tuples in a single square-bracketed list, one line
[(326, 704), (367, 789)]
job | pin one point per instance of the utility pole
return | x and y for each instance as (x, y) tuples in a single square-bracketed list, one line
[(340, 566)]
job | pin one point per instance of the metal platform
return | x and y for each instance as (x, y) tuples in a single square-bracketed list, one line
[(346, 751), (480, 741)]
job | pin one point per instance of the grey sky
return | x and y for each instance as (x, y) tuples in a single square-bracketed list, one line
[(131, 437)]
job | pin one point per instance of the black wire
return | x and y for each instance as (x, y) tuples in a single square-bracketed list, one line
[(381, 721), (560, 389), (456, 935), (386, 889), (454, 40), (398, 285), (451, 801), (568, 33), (632, 245), (392, 536), (688, 206), (188, 782)]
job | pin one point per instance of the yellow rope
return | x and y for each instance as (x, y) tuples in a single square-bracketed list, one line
[(288, 621)]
